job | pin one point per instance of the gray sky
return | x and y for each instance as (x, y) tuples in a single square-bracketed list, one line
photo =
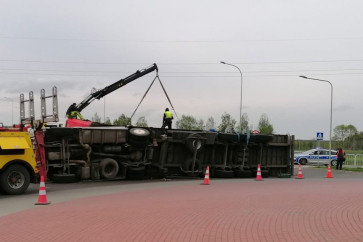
[(76, 45)]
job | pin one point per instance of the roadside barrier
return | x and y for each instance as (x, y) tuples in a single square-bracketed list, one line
[(329, 175), (42, 198), (299, 173), (206, 177), (355, 160), (258, 176)]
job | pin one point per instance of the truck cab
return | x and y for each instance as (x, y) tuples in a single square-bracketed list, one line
[(18, 167)]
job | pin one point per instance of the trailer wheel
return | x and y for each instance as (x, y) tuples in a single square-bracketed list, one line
[(194, 142), (223, 173), (15, 180), (242, 138), (64, 178), (138, 143), (139, 134), (135, 173), (109, 168), (188, 165), (242, 173)]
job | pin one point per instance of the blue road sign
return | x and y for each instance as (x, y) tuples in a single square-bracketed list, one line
[(319, 136)]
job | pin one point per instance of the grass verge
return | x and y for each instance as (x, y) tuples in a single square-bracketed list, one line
[(356, 169)]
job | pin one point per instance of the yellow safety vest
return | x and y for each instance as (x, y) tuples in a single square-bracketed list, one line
[(168, 114)]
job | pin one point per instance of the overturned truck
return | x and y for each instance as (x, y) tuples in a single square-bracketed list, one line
[(114, 152)]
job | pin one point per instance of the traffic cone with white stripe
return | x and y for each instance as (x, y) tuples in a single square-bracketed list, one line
[(206, 177), (329, 175), (259, 176), (42, 198), (299, 173)]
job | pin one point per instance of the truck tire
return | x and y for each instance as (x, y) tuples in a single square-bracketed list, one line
[(242, 138), (109, 168), (139, 134), (15, 180), (138, 143), (188, 165), (223, 173), (135, 173), (194, 141), (65, 178), (243, 173)]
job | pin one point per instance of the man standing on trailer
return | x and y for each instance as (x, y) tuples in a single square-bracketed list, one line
[(72, 112), (167, 119)]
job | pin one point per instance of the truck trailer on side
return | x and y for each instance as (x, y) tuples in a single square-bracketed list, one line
[(114, 152)]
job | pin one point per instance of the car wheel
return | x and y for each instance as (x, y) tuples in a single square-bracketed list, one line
[(15, 180), (303, 161), (333, 163)]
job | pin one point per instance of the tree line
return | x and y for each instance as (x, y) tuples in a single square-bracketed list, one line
[(227, 123), (344, 136)]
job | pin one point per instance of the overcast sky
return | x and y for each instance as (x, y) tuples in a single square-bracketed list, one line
[(77, 45)]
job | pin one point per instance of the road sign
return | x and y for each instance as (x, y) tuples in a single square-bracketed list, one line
[(319, 136)]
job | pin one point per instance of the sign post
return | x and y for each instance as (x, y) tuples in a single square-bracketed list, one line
[(319, 137)]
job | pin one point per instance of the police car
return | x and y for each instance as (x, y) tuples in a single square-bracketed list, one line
[(316, 157)]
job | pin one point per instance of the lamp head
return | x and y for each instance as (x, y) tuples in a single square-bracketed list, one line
[(303, 77), (223, 62)]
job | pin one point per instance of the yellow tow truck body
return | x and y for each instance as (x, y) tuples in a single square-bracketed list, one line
[(18, 166)]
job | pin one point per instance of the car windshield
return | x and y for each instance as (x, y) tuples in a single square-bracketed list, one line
[(309, 151)]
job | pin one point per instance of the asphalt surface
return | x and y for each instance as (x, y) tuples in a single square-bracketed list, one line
[(276, 209)]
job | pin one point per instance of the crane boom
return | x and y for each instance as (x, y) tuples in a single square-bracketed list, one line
[(107, 90)]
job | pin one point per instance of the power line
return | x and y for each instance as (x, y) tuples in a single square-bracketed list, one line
[(175, 72), (178, 63), (175, 41), (179, 76)]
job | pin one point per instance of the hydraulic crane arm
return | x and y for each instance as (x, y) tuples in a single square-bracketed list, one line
[(107, 90)]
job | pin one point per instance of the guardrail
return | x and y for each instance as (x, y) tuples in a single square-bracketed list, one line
[(354, 160)]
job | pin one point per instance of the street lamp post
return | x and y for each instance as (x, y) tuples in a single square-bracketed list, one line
[(240, 107), (331, 106)]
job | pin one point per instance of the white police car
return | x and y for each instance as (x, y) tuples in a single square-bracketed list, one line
[(316, 157)]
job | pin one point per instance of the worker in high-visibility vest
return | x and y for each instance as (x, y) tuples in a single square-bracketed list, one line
[(72, 112), (167, 119), (340, 158)]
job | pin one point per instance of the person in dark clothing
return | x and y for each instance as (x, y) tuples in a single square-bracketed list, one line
[(167, 119), (72, 112), (340, 158)]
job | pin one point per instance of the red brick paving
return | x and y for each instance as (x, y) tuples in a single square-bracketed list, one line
[(272, 210)]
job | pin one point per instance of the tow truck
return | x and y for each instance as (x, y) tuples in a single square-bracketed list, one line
[(18, 167)]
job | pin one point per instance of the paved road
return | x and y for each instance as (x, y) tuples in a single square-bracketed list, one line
[(310, 209)]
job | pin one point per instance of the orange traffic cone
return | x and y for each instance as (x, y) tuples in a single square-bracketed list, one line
[(299, 173), (206, 177), (42, 199), (329, 175), (259, 177)]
